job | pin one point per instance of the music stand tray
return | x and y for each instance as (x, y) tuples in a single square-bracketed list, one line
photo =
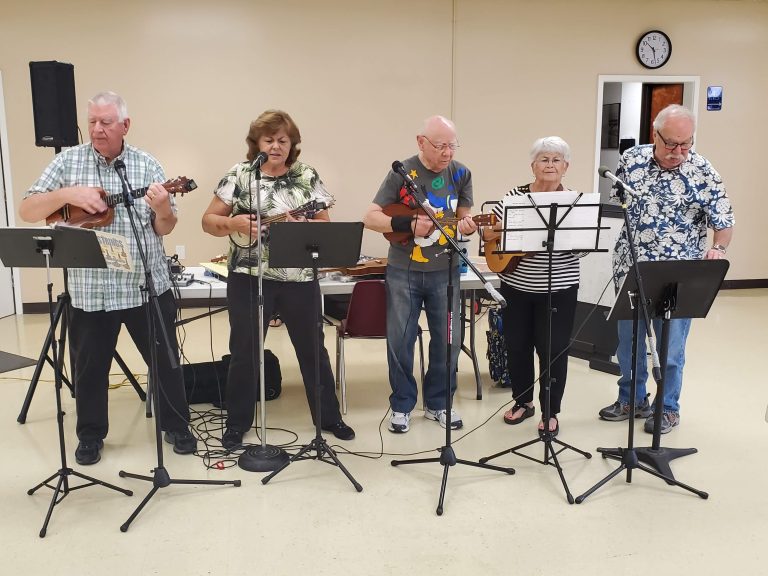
[(337, 244), (697, 281), (61, 247), (71, 248), (312, 245)]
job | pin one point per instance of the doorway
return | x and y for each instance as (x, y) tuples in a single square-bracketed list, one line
[(626, 107), (10, 293)]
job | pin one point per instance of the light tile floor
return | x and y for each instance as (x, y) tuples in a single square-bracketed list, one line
[(310, 520)]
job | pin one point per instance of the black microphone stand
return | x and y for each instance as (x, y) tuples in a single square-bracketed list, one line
[(264, 457), (630, 456), (447, 455), (160, 477), (545, 435)]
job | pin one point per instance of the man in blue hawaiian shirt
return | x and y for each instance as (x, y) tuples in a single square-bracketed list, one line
[(676, 196)]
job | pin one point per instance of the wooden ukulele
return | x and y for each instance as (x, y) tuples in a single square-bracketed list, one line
[(403, 210), (308, 210), (76, 216), (505, 263), (372, 267)]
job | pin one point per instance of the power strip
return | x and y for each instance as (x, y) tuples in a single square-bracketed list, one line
[(182, 279)]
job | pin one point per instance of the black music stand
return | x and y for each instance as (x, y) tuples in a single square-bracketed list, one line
[(55, 248), (66, 243), (314, 245), (554, 221), (673, 289)]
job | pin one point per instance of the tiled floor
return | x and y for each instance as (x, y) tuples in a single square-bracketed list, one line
[(310, 520)]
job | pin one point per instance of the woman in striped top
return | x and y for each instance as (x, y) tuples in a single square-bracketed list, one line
[(525, 288)]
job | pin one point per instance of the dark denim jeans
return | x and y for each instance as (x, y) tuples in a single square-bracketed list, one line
[(407, 292), (673, 378)]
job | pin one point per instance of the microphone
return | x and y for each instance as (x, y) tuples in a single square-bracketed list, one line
[(119, 166), (605, 173), (259, 160), (398, 168)]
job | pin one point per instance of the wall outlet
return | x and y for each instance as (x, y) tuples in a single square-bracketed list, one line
[(181, 252)]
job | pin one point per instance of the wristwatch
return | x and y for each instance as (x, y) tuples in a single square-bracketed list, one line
[(719, 248)]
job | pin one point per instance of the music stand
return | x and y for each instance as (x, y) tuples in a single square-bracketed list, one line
[(673, 289), (314, 245), (20, 254), (526, 219), (55, 248)]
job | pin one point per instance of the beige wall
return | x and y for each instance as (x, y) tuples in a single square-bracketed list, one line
[(358, 77)]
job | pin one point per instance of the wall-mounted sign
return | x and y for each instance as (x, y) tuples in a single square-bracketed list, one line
[(714, 97)]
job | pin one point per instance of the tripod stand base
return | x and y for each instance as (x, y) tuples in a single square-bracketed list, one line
[(323, 453), (62, 488), (161, 479), (263, 459), (659, 458), (550, 455), (631, 459), (448, 459)]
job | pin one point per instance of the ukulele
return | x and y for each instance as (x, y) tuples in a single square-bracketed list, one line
[(307, 210), (76, 216), (403, 210), (372, 267), (497, 263)]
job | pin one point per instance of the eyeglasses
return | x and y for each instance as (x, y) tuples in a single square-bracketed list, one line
[(442, 147), (672, 145)]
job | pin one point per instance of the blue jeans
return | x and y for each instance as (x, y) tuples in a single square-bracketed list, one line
[(673, 378), (407, 292)]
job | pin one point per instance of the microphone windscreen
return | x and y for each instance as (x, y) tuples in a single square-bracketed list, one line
[(602, 171), (119, 164), (398, 167)]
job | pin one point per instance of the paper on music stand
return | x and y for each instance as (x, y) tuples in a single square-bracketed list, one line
[(525, 231), (115, 249)]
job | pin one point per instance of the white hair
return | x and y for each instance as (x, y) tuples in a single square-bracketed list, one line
[(673, 111), (106, 98), (551, 144)]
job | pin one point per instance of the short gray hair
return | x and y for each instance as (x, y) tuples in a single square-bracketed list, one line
[(551, 144), (106, 98), (673, 111)]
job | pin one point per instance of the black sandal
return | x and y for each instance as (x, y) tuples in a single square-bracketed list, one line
[(543, 431), (528, 411)]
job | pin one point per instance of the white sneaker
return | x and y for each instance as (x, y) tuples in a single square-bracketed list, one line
[(400, 422), (440, 416)]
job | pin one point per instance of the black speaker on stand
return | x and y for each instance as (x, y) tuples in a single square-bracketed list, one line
[(53, 104)]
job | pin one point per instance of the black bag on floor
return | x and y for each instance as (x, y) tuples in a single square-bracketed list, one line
[(206, 382), (497, 350)]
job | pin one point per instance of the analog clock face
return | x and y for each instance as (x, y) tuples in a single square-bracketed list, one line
[(654, 49)]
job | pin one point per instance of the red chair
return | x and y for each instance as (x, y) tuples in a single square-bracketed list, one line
[(366, 318)]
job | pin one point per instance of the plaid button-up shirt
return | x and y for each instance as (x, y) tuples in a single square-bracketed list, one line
[(94, 289)]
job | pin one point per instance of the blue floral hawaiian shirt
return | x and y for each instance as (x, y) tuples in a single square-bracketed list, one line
[(670, 210)]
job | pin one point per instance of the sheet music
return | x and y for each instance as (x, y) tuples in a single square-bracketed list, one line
[(115, 250), (525, 231)]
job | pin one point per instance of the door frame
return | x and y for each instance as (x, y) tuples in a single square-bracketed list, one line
[(8, 188), (689, 100)]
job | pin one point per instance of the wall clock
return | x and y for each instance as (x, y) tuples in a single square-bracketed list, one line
[(654, 49)]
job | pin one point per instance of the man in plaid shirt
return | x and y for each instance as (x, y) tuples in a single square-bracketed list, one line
[(103, 299)]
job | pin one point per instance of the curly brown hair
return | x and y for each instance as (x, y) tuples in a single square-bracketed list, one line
[(269, 123)]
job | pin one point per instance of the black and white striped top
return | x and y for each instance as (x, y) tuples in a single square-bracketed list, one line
[(531, 275)]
